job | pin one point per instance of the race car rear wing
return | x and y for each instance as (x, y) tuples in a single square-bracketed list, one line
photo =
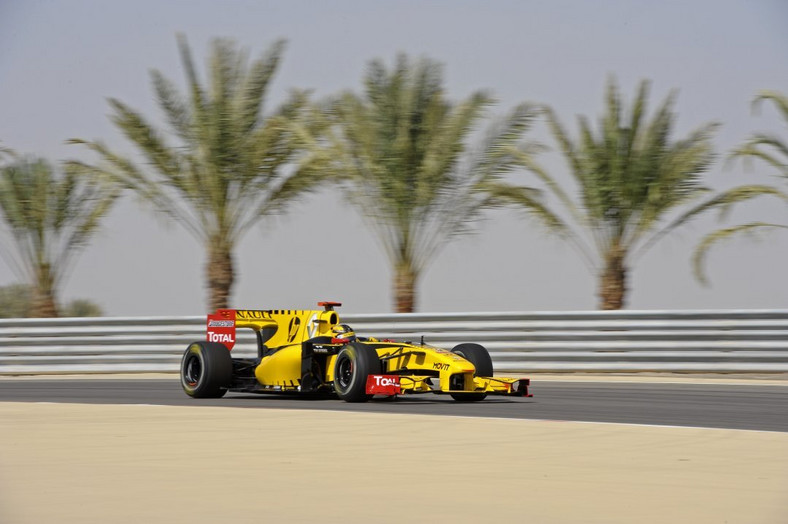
[(221, 327)]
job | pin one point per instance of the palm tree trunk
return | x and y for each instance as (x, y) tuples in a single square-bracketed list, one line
[(220, 275), (405, 279), (43, 303), (612, 289)]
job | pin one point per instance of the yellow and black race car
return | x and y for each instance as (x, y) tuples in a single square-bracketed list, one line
[(310, 351)]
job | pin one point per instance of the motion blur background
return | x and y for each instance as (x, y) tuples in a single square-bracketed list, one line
[(61, 60)]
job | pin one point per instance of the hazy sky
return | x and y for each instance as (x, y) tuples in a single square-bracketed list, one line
[(60, 60)]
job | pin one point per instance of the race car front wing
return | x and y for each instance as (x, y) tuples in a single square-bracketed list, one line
[(399, 384)]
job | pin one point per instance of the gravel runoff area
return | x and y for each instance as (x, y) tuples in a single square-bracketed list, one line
[(70, 463)]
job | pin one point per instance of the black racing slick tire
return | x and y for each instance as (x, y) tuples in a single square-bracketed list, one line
[(354, 363), (480, 358), (206, 370)]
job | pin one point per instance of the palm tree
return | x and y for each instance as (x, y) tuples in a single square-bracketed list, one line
[(400, 151), (50, 218), (16, 301), (223, 165), (631, 176), (769, 148)]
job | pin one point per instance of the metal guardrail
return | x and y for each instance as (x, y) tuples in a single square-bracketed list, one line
[(599, 341)]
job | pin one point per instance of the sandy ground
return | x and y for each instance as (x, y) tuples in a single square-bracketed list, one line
[(66, 463)]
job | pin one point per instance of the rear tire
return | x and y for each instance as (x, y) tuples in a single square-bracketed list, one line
[(354, 363), (206, 370), (480, 358)]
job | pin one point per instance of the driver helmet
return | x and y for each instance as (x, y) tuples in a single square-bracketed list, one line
[(344, 331)]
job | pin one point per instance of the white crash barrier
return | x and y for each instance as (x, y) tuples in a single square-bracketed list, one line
[(730, 341)]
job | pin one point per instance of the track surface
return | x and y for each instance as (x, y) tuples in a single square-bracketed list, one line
[(700, 405)]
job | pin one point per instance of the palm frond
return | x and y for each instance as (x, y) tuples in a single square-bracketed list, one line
[(252, 96), (149, 142), (566, 145), (174, 105), (702, 250), (766, 147), (676, 181), (774, 154), (721, 201), (778, 99), (196, 95)]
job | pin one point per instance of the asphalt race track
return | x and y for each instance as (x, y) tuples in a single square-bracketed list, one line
[(731, 406)]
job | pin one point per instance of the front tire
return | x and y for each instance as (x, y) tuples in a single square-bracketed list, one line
[(206, 370), (480, 358), (354, 363)]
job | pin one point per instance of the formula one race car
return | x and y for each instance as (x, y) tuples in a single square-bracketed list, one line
[(311, 352)]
